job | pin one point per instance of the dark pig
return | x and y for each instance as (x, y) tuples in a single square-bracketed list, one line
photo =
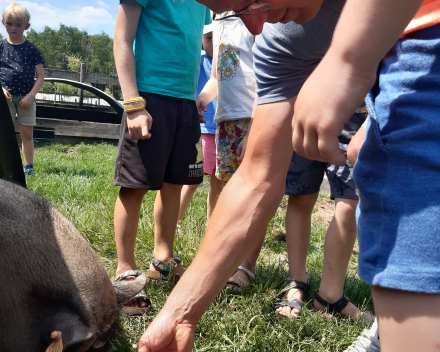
[(51, 279)]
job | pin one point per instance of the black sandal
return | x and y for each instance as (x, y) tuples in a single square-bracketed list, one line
[(294, 302), (165, 269), (339, 305)]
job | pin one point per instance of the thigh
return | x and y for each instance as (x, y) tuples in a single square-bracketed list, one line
[(408, 321), (228, 136), (141, 164), (27, 116), (304, 176), (185, 163)]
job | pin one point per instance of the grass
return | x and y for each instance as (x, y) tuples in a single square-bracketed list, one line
[(77, 180)]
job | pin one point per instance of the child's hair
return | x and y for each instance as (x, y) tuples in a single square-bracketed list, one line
[(16, 11)]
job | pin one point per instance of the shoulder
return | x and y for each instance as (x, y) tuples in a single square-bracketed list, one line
[(31, 46)]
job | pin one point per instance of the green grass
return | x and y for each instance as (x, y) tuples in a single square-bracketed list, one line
[(78, 181)]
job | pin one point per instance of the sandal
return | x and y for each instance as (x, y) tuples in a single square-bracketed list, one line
[(241, 285), (134, 310), (339, 305), (164, 269), (294, 302)]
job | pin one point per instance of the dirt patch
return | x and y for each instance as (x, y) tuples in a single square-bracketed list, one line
[(325, 210)]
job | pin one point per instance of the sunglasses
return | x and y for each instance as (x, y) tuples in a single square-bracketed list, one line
[(250, 9)]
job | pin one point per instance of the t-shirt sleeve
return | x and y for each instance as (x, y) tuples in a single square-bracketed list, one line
[(144, 3), (208, 19), (38, 58)]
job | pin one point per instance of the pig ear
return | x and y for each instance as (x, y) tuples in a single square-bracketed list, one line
[(127, 289)]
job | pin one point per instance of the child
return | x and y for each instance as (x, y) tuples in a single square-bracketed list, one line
[(208, 135), (20, 62), (398, 167), (233, 83), (160, 131)]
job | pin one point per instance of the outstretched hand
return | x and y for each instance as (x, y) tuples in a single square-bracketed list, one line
[(166, 335), (139, 124), (326, 101)]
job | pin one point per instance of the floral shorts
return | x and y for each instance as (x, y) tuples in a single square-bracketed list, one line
[(228, 136)]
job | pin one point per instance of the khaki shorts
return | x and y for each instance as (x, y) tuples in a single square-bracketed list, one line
[(25, 117)]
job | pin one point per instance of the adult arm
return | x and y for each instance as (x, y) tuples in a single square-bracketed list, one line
[(138, 122), (39, 74), (364, 34)]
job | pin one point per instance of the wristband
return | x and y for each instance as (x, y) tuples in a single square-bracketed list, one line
[(134, 104)]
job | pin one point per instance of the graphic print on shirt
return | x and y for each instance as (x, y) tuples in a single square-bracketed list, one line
[(228, 60)]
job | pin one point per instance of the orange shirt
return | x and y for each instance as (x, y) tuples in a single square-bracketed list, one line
[(428, 15)]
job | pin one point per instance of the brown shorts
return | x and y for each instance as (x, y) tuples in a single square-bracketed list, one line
[(173, 154)]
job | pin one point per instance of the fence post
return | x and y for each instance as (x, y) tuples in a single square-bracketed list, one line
[(82, 75)]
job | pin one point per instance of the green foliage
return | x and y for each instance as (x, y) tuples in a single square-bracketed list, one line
[(77, 180), (67, 47)]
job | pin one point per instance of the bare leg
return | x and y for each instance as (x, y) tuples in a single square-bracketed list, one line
[(215, 189), (166, 213), (408, 321), (27, 143), (126, 220), (339, 242), (298, 230), (185, 198)]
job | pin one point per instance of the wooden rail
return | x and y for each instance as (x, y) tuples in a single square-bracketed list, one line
[(75, 76)]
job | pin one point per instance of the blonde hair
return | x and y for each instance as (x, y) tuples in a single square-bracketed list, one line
[(16, 11)]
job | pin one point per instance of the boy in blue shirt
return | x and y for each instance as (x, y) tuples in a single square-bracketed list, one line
[(20, 62), (157, 52), (208, 135)]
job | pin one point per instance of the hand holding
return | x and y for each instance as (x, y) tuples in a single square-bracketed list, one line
[(7, 94), (139, 124), (202, 106), (241, 149), (26, 101)]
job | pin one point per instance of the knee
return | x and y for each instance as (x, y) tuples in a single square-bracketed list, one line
[(26, 134), (304, 203), (131, 194), (346, 208)]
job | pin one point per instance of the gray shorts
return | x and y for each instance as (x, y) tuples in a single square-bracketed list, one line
[(25, 117)]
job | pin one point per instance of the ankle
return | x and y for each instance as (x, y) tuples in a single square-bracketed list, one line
[(299, 277), (330, 296)]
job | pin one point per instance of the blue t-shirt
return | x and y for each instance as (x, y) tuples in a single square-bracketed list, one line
[(17, 66), (167, 46), (205, 74)]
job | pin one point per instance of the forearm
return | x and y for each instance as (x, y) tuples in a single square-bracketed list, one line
[(37, 86), (368, 29), (125, 32), (209, 91)]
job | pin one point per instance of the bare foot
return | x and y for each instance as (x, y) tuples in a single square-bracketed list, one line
[(289, 295)]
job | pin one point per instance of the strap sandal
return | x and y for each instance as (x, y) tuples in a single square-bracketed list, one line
[(237, 282), (339, 305), (134, 310), (165, 269), (294, 302)]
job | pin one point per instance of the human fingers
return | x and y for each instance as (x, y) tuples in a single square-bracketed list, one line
[(298, 138), (329, 151), (201, 119)]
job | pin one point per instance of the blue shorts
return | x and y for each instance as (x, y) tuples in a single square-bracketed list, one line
[(398, 169)]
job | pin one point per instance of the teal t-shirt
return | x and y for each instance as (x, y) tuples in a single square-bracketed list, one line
[(167, 47)]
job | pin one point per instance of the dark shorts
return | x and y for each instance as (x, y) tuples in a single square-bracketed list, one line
[(173, 154), (305, 176)]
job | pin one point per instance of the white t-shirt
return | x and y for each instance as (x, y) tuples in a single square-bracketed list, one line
[(236, 83)]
